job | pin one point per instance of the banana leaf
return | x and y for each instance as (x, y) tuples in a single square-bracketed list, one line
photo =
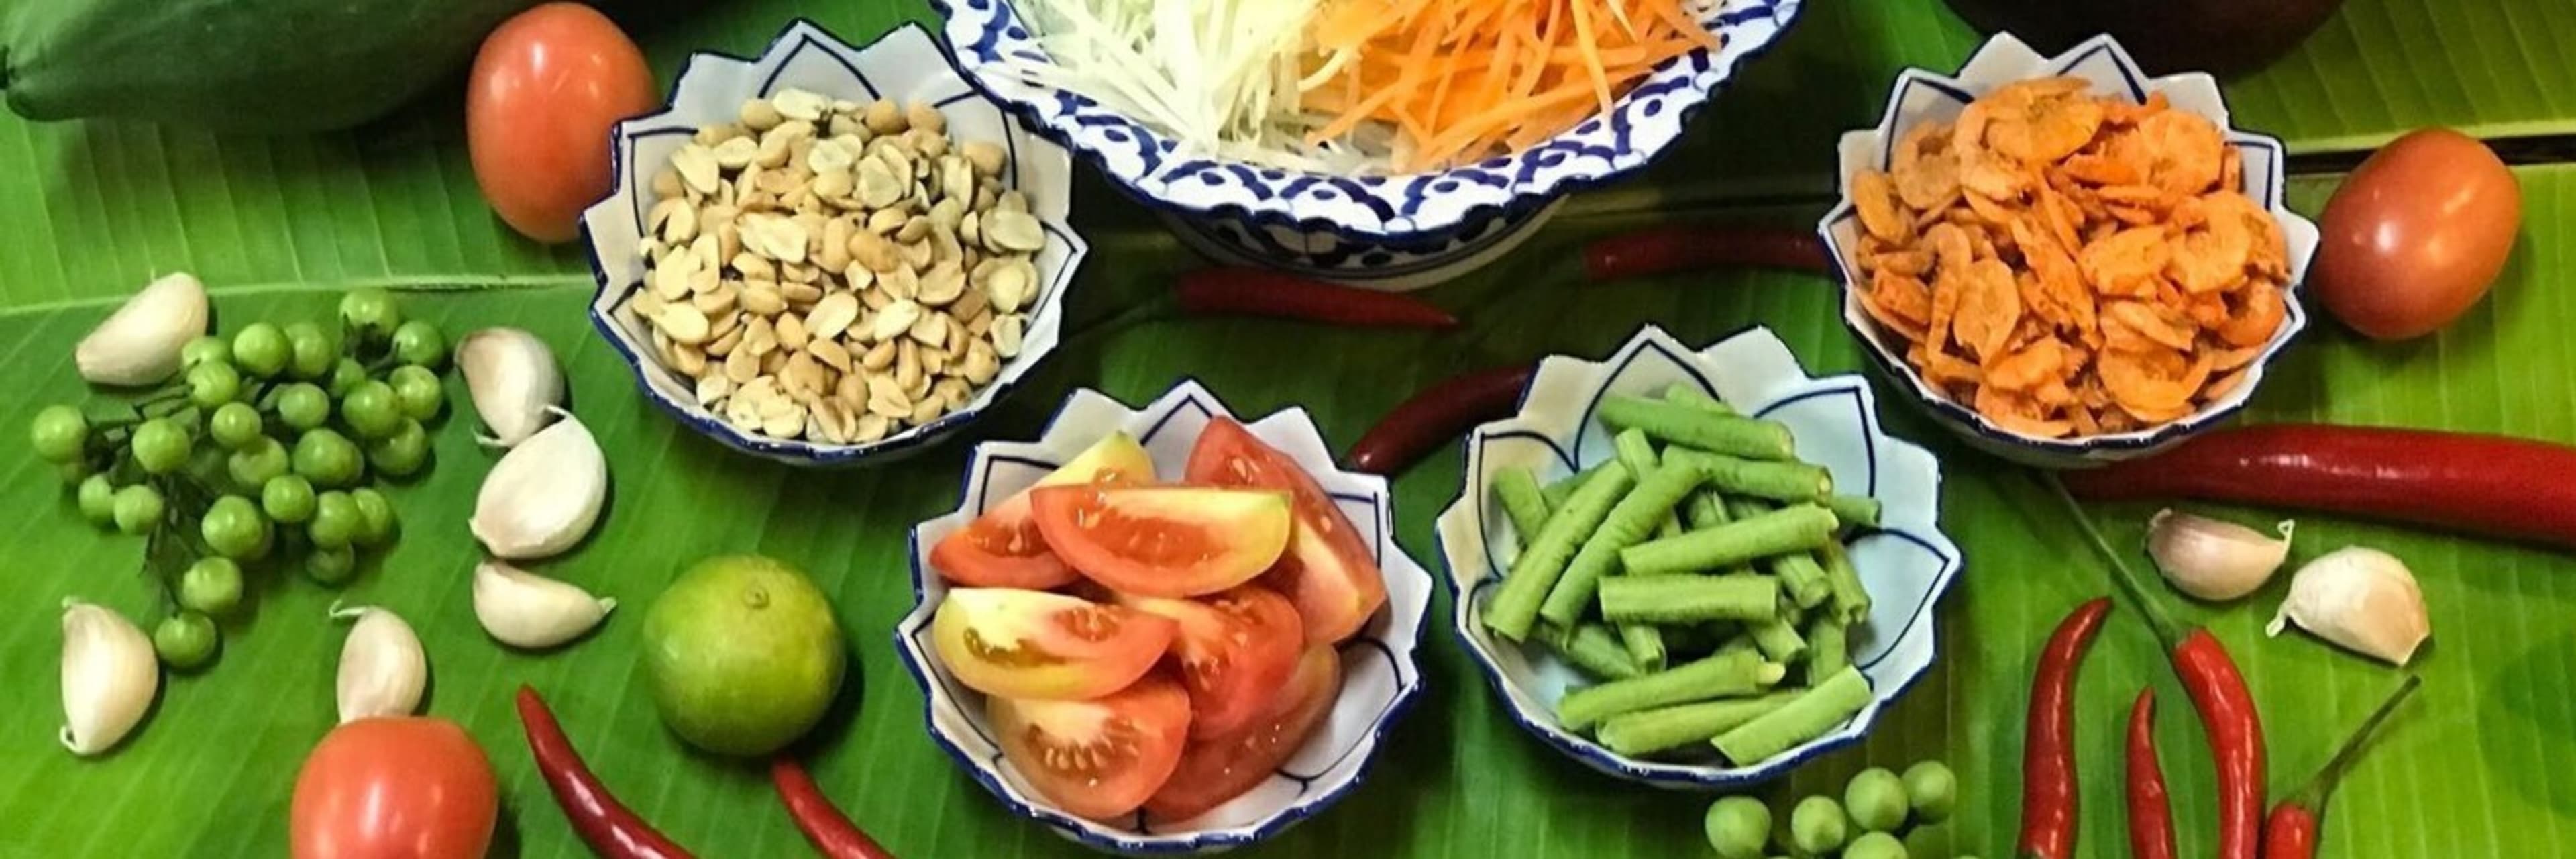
[(2478, 766)]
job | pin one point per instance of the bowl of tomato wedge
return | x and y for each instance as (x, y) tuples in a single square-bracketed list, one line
[(1160, 629)]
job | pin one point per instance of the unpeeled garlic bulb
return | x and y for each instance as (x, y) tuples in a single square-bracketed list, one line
[(514, 381), (2361, 598), (139, 344), (109, 676), (544, 495), (382, 668), (523, 609), (2214, 560)]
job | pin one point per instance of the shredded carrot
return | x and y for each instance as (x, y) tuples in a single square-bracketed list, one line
[(1464, 80)]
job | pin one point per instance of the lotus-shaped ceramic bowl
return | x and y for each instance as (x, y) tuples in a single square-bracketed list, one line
[(904, 65), (1379, 678), (1906, 563), (1922, 96)]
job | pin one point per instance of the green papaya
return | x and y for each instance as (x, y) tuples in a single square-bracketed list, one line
[(236, 65)]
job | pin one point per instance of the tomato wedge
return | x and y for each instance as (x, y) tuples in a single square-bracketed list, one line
[(1033, 644), (1164, 541), (1328, 570), (1235, 648), (1218, 769), (1004, 549), (1098, 759)]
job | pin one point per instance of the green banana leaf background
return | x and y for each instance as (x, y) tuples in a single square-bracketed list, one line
[(2482, 764)]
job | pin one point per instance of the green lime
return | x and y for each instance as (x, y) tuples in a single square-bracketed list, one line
[(743, 655)]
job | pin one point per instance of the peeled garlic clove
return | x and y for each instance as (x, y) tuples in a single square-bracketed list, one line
[(514, 381), (139, 344), (382, 668), (2214, 560), (523, 609), (2361, 598), (109, 675), (544, 495)]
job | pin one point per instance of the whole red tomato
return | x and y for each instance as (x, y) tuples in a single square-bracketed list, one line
[(395, 788), (547, 86)]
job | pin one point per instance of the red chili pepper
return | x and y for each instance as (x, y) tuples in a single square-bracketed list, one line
[(1664, 250), (1436, 415), (2048, 789), (2151, 834), (1253, 292), (823, 823), (2291, 833), (603, 822), (2217, 691), (2485, 484)]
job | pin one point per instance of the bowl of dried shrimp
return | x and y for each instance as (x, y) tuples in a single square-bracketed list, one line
[(1320, 138), (2067, 261)]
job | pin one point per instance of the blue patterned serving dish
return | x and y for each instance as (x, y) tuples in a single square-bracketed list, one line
[(1393, 232)]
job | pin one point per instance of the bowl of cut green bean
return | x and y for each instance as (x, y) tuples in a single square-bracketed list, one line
[(1696, 567)]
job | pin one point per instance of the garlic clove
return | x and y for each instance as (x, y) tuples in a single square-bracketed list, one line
[(139, 344), (2211, 559), (523, 609), (544, 495), (382, 668), (2361, 598), (109, 677), (512, 377)]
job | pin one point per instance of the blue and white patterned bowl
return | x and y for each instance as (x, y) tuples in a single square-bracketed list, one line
[(1922, 96), (1393, 232), (904, 64), (1379, 678), (1907, 563)]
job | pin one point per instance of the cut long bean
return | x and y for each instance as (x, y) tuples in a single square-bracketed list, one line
[(1523, 502), (1781, 480), (1645, 645), (1819, 709), (1515, 604), (1828, 646), (1595, 649), (1715, 677), (1638, 454), (1802, 577), (1789, 529), (1850, 600), (1687, 394), (1741, 642), (1778, 638), (1649, 731), (1684, 599), (1696, 427), (1704, 509), (1563, 489), (1625, 525), (1855, 511)]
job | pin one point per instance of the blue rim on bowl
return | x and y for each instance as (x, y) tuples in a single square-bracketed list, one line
[(1148, 166), (724, 81), (1908, 560), (1921, 95), (1163, 427)]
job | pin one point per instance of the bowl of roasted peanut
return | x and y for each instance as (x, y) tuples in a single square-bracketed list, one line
[(830, 254), (2067, 261)]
